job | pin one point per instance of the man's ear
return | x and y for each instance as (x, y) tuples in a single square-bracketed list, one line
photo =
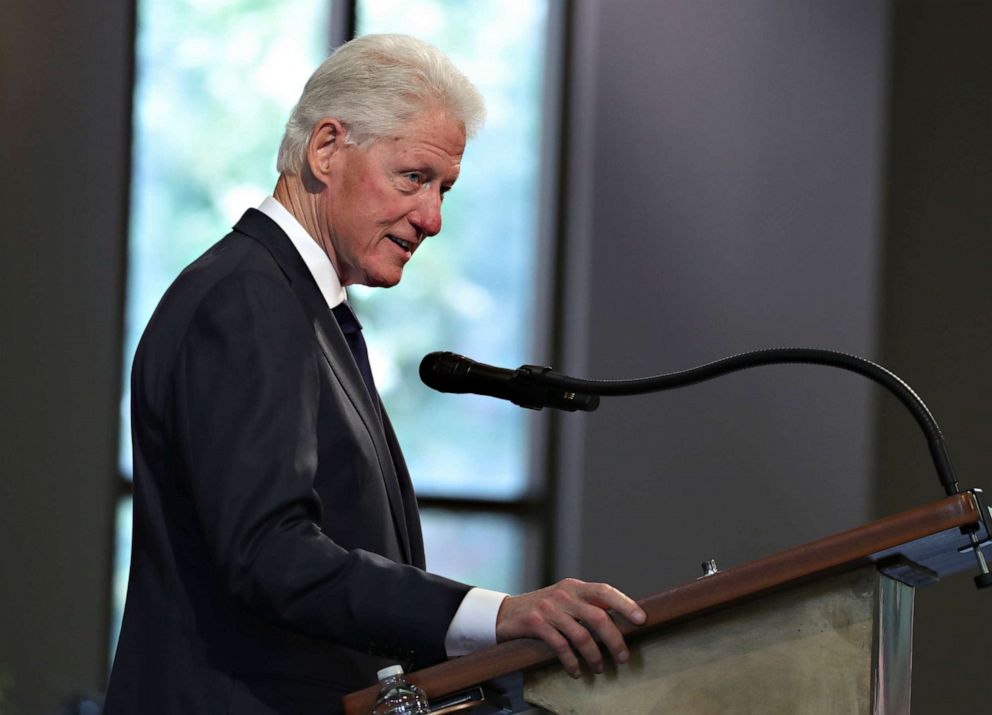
[(326, 140)]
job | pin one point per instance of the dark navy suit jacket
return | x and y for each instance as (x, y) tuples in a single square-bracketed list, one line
[(277, 556)]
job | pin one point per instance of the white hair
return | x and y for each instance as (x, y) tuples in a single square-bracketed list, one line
[(374, 85)]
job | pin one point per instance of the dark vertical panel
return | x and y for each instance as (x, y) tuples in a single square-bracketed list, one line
[(342, 21), (937, 320), (65, 83), (551, 266)]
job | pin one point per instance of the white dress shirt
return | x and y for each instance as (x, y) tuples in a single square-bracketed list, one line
[(474, 624)]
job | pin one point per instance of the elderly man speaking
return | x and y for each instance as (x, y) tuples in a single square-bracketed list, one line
[(277, 558)]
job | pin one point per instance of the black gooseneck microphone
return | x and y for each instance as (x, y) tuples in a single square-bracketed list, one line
[(526, 386), (536, 387)]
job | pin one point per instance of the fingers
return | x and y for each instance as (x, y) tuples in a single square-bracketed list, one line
[(605, 629), (572, 618), (562, 648), (595, 600), (607, 597), (582, 640)]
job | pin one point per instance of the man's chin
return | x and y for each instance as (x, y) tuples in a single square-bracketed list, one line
[(384, 280)]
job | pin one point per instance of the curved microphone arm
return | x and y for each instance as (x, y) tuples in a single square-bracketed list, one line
[(756, 358)]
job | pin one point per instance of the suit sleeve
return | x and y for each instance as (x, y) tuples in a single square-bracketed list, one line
[(246, 395)]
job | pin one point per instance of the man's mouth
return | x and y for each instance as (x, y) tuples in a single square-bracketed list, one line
[(405, 245)]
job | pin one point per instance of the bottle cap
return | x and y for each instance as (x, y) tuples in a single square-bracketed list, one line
[(389, 672)]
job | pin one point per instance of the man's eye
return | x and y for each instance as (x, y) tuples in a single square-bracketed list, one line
[(414, 177)]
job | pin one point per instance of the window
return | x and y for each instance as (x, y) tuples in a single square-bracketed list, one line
[(471, 290), (203, 150), (215, 83)]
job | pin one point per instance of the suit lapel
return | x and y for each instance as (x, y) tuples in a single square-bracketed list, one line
[(336, 352)]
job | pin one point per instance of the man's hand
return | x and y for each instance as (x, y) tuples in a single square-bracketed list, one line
[(568, 615)]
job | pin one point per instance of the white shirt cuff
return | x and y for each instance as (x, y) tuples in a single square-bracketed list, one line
[(474, 624)]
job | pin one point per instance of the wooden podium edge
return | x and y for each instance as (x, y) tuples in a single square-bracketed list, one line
[(697, 597)]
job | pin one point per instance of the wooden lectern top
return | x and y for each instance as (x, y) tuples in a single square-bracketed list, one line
[(919, 534)]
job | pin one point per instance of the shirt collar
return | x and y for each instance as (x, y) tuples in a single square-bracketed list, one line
[(312, 254)]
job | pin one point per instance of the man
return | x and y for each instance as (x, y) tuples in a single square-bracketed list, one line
[(277, 558)]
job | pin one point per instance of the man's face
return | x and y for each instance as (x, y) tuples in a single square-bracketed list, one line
[(382, 200)]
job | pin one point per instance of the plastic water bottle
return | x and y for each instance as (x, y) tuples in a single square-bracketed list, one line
[(397, 696)]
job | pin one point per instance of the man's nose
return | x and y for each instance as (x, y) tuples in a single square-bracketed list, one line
[(426, 217)]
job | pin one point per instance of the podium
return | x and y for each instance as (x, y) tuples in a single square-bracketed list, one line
[(822, 628)]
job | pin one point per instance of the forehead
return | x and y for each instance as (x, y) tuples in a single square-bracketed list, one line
[(432, 135)]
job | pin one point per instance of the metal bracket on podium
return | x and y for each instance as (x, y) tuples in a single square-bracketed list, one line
[(984, 578)]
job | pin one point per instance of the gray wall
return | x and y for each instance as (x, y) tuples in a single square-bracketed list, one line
[(726, 189), (759, 174), (727, 196), (64, 124)]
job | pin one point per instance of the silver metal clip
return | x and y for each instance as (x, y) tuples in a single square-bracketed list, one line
[(709, 568)]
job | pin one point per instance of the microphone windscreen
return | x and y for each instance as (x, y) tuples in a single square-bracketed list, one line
[(442, 371)]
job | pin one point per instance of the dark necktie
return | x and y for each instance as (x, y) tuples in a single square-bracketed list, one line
[(352, 330)]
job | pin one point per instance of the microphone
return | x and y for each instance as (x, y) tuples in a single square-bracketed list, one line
[(526, 386)]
